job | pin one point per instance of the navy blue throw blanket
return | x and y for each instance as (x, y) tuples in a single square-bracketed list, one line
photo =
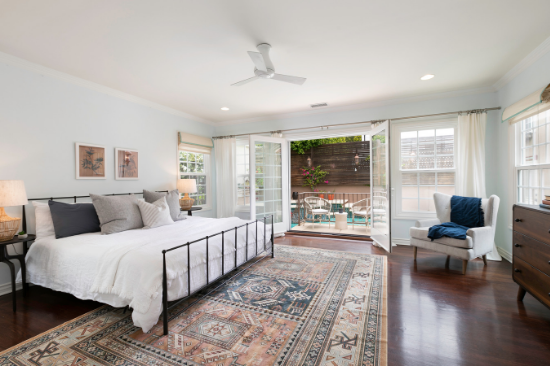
[(466, 213)]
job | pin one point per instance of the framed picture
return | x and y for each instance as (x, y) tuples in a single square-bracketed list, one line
[(90, 161), (126, 164)]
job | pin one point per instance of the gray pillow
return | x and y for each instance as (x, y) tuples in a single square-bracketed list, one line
[(172, 198), (117, 213), (72, 219)]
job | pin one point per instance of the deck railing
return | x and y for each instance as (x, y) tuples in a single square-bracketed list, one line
[(356, 205)]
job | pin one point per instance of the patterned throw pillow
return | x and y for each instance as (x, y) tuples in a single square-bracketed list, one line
[(172, 198), (156, 214)]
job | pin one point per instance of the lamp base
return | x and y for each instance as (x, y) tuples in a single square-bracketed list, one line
[(186, 202), (8, 226)]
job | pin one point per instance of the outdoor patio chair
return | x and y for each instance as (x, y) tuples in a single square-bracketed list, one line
[(360, 208), (315, 206), (379, 205)]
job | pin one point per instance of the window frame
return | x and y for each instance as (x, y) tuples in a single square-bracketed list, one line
[(518, 158), (207, 173), (397, 129)]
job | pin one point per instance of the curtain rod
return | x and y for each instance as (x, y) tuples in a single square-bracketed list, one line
[(363, 122)]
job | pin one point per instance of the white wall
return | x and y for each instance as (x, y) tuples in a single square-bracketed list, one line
[(41, 118), (534, 77)]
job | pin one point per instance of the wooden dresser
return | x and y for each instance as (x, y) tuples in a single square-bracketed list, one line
[(531, 261)]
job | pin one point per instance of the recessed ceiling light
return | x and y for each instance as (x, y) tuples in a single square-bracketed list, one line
[(427, 77), (225, 108)]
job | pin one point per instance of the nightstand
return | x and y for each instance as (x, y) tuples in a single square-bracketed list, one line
[(193, 209), (5, 258)]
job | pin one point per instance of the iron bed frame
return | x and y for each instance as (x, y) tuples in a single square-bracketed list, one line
[(238, 269)]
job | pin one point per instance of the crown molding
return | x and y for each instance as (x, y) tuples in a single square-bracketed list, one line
[(21, 63), (527, 61), (380, 103)]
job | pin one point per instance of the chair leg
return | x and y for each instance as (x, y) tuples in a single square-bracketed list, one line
[(464, 266), (415, 252), (447, 261), (485, 259)]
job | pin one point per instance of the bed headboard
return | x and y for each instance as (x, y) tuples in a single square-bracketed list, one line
[(74, 198)]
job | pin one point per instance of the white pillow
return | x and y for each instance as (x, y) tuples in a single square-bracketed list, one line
[(155, 214), (44, 222)]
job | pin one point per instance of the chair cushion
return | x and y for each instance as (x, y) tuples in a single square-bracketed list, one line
[(361, 212), (421, 233), (319, 211)]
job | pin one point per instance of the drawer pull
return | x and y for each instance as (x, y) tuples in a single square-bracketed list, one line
[(517, 270), (517, 245), (518, 220)]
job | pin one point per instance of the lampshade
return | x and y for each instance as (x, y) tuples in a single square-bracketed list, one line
[(12, 193), (187, 186)]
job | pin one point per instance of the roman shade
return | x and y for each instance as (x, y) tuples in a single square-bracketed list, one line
[(194, 143), (533, 104)]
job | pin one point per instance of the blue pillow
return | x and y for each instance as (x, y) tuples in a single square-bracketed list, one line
[(72, 219)]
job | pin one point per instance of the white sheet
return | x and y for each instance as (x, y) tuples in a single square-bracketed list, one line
[(126, 268)]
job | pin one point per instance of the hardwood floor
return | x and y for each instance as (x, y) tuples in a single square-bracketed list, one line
[(436, 316)]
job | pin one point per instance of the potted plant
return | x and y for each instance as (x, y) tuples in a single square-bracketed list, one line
[(313, 176), (331, 194), (322, 194), (22, 235)]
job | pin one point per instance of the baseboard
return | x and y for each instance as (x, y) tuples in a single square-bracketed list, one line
[(401, 241), (6, 288), (505, 254)]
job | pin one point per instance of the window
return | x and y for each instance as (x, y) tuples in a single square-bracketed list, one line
[(243, 174), (197, 166), (426, 165), (532, 167)]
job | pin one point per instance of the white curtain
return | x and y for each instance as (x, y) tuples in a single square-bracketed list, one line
[(471, 160), (471, 155), (225, 151)]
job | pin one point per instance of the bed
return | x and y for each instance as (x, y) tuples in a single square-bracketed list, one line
[(146, 269)]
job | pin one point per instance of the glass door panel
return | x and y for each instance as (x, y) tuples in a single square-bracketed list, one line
[(380, 197), (269, 176)]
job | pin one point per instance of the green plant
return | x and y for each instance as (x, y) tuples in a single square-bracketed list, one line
[(89, 162), (313, 176), (22, 233), (303, 146)]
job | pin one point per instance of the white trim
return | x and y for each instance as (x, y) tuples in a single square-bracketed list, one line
[(521, 66), (401, 241), (360, 106), (505, 254), (21, 63), (331, 132), (6, 288)]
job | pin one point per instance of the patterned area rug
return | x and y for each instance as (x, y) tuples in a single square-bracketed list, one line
[(304, 307)]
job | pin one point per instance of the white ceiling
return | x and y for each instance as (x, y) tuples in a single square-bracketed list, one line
[(184, 54)]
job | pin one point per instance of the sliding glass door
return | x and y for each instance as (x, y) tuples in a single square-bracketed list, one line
[(380, 186), (269, 180)]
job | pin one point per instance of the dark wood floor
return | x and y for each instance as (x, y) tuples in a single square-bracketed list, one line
[(436, 316)]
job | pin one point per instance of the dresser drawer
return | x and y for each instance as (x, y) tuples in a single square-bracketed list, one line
[(532, 251), (532, 223), (532, 280)]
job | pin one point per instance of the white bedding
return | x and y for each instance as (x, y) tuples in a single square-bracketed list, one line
[(126, 268)]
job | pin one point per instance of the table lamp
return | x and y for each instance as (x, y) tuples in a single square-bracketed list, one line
[(12, 193), (187, 186)]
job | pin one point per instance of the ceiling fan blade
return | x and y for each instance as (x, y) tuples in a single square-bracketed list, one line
[(289, 79), (242, 82), (258, 60)]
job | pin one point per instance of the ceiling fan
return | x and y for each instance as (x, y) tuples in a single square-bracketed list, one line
[(264, 68)]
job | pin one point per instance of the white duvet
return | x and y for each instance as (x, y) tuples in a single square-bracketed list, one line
[(126, 268)]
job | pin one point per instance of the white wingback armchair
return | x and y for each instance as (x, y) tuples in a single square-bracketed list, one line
[(479, 241)]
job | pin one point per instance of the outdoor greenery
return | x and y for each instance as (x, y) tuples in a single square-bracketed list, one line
[(313, 176), (304, 146)]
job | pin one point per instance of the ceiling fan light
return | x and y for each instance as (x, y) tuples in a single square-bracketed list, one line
[(427, 77)]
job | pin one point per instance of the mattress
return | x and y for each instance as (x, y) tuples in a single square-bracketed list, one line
[(125, 269)]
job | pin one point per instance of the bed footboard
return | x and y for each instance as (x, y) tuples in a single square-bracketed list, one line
[(238, 269)]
